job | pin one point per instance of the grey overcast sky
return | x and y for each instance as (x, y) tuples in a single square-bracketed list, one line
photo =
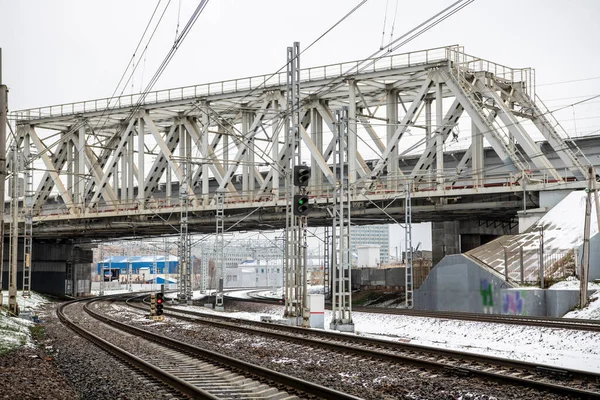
[(71, 50), (64, 51)]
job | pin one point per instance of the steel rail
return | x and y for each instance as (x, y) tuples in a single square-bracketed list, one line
[(130, 359), (348, 344), (242, 367)]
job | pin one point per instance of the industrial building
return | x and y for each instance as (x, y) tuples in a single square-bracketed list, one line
[(141, 266), (373, 235)]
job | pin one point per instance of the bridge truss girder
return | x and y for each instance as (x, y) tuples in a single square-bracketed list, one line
[(230, 133)]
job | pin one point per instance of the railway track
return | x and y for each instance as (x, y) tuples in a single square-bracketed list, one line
[(546, 322), (556, 380), (191, 371)]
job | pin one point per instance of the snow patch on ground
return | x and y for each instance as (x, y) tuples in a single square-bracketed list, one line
[(14, 331)]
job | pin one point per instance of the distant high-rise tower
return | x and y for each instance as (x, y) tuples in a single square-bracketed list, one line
[(374, 235)]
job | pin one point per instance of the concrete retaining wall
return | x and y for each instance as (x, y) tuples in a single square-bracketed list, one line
[(459, 283)]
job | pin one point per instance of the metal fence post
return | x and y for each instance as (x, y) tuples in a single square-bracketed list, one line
[(521, 264)]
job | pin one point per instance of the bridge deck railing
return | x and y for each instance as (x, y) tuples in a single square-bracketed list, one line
[(277, 79)]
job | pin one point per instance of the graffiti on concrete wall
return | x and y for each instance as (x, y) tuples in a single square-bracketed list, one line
[(512, 303), (487, 295)]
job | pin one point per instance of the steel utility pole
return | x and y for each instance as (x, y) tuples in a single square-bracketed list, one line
[(585, 265), (3, 119)]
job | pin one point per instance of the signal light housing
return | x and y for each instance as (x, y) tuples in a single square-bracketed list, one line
[(300, 205), (159, 303), (301, 175)]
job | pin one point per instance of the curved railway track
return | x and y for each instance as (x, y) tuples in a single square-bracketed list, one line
[(192, 371), (570, 382), (546, 322)]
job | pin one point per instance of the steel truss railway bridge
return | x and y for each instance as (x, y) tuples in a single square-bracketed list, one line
[(131, 165)]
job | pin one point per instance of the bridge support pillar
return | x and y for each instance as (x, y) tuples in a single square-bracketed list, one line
[(455, 237), (57, 268)]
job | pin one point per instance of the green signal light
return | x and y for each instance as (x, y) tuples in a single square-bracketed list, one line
[(301, 201)]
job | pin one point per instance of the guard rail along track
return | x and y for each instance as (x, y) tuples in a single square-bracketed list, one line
[(198, 373), (556, 380)]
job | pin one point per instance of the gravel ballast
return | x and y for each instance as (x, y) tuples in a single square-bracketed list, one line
[(70, 367)]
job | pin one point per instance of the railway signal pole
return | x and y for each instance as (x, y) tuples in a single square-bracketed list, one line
[(3, 120), (296, 178), (341, 294)]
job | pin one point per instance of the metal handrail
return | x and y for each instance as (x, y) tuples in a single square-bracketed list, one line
[(230, 86)]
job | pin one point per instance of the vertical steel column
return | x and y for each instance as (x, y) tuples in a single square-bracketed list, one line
[(542, 264), (245, 165), (392, 125), (427, 122), (3, 121), (28, 217), (166, 263), (129, 272), (124, 174), (185, 269), (130, 171), (275, 151), (326, 263), (292, 299), (439, 137), (154, 267), (408, 268), (250, 160), (585, 265), (477, 156), (316, 129), (341, 302), (101, 293), (205, 164), (226, 129), (141, 197), (16, 162), (352, 132), (80, 172), (294, 295), (71, 166), (219, 244)]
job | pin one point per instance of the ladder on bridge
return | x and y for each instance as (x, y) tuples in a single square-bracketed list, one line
[(28, 230), (408, 268), (219, 244)]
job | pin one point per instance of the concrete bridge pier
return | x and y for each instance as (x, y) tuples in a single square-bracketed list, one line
[(57, 268), (455, 237)]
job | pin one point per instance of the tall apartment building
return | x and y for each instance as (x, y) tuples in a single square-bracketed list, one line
[(373, 235)]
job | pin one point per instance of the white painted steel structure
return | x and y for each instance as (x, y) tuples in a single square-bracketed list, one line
[(113, 163)]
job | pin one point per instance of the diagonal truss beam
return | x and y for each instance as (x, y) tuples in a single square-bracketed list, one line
[(115, 156), (327, 116), (407, 120), (160, 162), (516, 129), (509, 157), (428, 156), (208, 154), (244, 144), (543, 124), (169, 155), (108, 192), (52, 169)]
